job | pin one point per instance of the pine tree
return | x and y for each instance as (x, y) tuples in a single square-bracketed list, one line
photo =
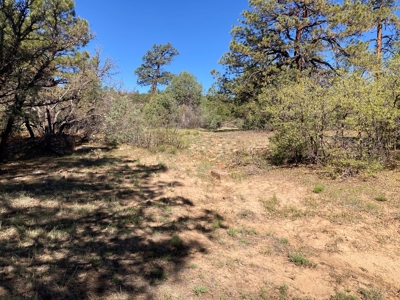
[(386, 26), (37, 37), (151, 72), (284, 37)]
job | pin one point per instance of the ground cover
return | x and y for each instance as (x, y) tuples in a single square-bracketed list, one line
[(128, 223)]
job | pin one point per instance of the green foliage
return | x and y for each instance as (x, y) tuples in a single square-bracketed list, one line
[(215, 109), (151, 72), (349, 123), (124, 122), (186, 92), (381, 198), (282, 36), (185, 89), (176, 241), (278, 42), (199, 289), (161, 111), (298, 259), (178, 105), (39, 40), (318, 189)]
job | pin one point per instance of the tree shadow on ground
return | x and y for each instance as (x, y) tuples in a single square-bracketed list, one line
[(79, 227)]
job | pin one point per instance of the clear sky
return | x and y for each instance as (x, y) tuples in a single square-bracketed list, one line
[(126, 29)]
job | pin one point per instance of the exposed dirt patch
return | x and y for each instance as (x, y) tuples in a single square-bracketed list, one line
[(127, 223)]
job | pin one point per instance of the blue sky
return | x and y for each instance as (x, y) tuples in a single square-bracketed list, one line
[(126, 29)]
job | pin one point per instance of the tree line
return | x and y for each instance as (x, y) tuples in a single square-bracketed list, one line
[(323, 75)]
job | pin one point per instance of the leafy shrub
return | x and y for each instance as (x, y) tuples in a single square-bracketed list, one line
[(318, 189), (125, 123), (348, 123)]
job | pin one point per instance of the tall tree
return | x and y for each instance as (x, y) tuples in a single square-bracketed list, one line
[(386, 25), (280, 35), (37, 37), (152, 71)]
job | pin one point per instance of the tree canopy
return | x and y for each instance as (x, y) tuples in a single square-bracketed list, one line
[(38, 41), (152, 72)]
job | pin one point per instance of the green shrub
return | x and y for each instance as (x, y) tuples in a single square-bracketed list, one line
[(318, 189), (298, 259), (381, 198), (176, 241), (199, 289)]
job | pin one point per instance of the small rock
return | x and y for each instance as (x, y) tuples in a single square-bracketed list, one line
[(219, 174)]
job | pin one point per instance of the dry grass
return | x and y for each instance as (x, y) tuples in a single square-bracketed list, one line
[(134, 224)]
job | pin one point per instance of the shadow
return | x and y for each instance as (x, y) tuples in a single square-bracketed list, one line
[(81, 227), (25, 149)]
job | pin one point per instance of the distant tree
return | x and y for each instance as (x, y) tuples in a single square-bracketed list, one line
[(178, 105), (151, 72), (185, 89)]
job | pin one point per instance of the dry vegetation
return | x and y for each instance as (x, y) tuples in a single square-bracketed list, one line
[(127, 223)]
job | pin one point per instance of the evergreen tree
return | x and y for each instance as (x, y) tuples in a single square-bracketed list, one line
[(38, 38), (185, 89), (276, 36), (151, 72), (386, 26)]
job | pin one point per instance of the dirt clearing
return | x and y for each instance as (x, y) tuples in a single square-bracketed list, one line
[(125, 223)]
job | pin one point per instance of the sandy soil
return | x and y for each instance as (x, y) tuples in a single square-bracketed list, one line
[(256, 232)]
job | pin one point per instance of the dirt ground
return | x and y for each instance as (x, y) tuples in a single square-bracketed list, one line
[(212, 221)]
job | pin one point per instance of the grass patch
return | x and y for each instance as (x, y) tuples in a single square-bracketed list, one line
[(299, 260), (381, 198), (246, 213), (199, 289), (318, 189), (283, 291), (248, 231), (372, 294), (270, 205), (176, 241), (217, 224), (343, 296), (283, 241)]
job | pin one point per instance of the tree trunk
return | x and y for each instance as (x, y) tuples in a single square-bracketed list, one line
[(379, 42), (50, 128), (379, 47), (29, 128), (154, 85), (18, 102), (5, 135)]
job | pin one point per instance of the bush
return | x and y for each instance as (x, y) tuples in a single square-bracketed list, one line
[(348, 124), (214, 110), (125, 123)]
